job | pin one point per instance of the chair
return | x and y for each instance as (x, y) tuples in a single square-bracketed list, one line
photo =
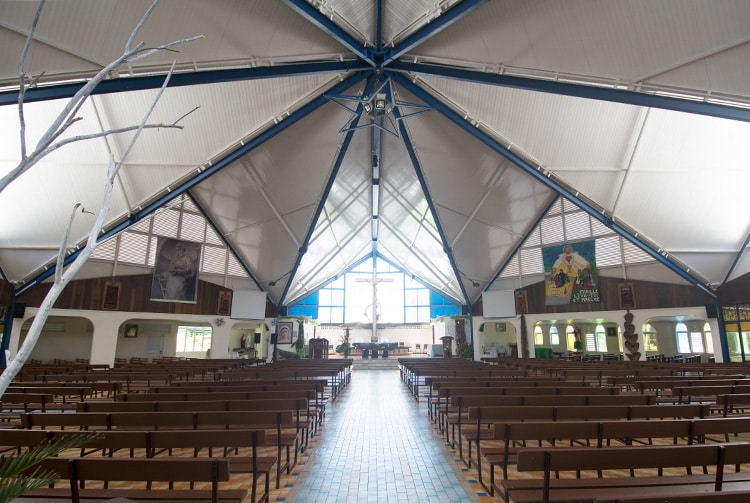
[(417, 348)]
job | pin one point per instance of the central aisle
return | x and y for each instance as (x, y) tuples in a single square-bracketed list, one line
[(378, 445)]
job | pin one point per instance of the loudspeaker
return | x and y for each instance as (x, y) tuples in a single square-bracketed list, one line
[(256, 339), (19, 310), (273, 338), (711, 311)]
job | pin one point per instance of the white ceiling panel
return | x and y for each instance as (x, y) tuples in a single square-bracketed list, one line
[(78, 41), (546, 126), (628, 42), (677, 180)]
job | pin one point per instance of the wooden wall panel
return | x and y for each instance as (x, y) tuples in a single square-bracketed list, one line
[(648, 295), (135, 292)]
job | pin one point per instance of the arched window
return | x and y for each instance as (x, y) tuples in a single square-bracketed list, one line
[(601, 339), (554, 336), (709, 338), (696, 342), (570, 336), (683, 339), (538, 336), (650, 343), (597, 341)]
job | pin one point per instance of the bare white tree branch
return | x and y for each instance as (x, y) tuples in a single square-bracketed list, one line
[(64, 275), (22, 79), (68, 115)]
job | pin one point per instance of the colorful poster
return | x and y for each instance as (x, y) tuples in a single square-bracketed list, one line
[(176, 272), (570, 273)]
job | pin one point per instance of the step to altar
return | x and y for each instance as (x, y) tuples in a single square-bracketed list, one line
[(375, 364)]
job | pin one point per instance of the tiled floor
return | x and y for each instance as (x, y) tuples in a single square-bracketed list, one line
[(378, 445)]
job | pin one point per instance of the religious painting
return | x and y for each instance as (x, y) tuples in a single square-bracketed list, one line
[(225, 303), (570, 273), (522, 302), (285, 332), (176, 272), (111, 297)]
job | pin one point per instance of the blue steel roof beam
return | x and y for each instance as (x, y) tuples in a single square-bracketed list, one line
[(379, 25), (425, 189), (737, 258), (314, 16), (206, 173), (447, 18), (226, 243), (124, 84), (549, 182), (525, 238), (326, 191), (579, 91)]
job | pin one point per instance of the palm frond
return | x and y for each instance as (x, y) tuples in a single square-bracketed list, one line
[(14, 477)]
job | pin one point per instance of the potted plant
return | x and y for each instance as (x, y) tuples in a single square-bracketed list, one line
[(345, 348), (299, 346)]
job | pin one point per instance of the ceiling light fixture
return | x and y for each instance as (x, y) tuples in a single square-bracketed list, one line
[(380, 108)]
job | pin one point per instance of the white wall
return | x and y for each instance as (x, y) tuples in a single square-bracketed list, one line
[(640, 316), (108, 326), (96, 342)]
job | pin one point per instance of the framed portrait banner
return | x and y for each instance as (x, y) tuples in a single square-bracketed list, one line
[(522, 302), (176, 271), (285, 330), (627, 295), (225, 303), (111, 296), (570, 273)]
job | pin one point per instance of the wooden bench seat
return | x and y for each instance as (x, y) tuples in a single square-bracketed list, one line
[(228, 441), (483, 417), (722, 497), (77, 473), (615, 460), (515, 437), (455, 412), (281, 425)]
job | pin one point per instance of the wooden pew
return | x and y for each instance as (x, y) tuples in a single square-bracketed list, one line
[(515, 435), (99, 389), (80, 472), (527, 386), (687, 394), (281, 425), (227, 440), (304, 418), (460, 404), (147, 444), (722, 497), (482, 417), (27, 401), (548, 489), (733, 403)]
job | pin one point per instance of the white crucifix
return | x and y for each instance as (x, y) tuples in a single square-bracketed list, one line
[(374, 280)]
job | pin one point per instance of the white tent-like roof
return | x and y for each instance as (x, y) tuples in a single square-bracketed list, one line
[(507, 125)]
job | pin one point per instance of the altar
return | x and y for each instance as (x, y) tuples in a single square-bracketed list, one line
[(374, 349)]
